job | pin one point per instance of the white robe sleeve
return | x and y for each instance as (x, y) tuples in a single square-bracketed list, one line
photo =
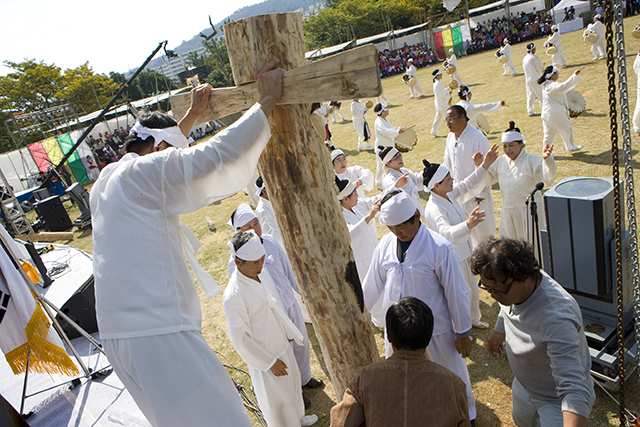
[(374, 281), (490, 107), (546, 170), (286, 267), (470, 187), (456, 290), (457, 234), (241, 338), (416, 178), (365, 176), (566, 86)]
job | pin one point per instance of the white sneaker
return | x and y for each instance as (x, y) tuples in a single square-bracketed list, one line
[(308, 420), (481, 325), (577, 148), (364, 146)]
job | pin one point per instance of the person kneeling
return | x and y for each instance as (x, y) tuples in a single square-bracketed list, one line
[(395, 392)]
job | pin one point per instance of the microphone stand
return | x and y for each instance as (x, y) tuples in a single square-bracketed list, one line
[(534, 226)]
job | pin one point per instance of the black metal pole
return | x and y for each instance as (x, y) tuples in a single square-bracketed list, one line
[(102, 113)]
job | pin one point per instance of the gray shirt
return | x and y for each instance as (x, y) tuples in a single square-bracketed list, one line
[(547, 348)]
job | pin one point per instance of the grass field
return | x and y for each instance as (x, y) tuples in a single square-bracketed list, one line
[(491, 378)]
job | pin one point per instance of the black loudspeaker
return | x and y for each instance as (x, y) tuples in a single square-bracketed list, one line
[(81, 308), (53, 215), (9, 417)]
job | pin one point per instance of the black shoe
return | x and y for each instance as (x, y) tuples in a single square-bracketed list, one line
[(307, 402), (313, 383), (473, 422)]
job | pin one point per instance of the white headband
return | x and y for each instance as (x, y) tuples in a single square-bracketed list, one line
[(350, 188), (555, 70), (390, 155), (438, 73), (171, 135), (397, 210), (244, 215), (259, 190), (336, 153), (250, 251), (512, 136), (384, 108), (437, 177)]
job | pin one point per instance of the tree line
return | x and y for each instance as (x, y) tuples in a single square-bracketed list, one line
[(36, 86), (345, 20)]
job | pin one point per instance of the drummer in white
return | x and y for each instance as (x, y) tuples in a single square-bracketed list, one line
[(453, 60), (507, 66), (416, 90), (554, 38), (533, 68), (473, 109), (598, 47), (441, 97), (555, 113)]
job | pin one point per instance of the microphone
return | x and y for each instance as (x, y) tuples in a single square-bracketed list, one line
[(539, 186)]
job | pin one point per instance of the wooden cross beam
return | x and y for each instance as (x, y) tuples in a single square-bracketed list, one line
[(297, 170), (347, 75)]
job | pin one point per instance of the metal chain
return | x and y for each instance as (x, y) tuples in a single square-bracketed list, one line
[(610, 7), (628, 172)]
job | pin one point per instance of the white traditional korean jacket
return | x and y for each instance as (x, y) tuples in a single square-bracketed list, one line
[(142, 283)]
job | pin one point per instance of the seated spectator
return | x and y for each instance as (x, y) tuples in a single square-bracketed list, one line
[(378, 396)]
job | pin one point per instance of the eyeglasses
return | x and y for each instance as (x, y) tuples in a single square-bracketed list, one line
[(450, 119), (494, 291)]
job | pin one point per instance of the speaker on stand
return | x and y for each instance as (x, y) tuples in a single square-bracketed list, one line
[(52, 214)]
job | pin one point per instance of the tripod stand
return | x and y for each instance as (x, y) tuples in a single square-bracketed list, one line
[(49, 308)]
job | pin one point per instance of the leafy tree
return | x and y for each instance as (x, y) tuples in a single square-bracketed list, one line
[(33, 86), (132, 93), (87, 90), (220, 74), (6, 143)]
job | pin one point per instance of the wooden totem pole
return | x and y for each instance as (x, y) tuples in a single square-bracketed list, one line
[(297, 171)]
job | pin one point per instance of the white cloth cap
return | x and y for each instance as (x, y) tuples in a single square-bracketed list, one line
[(250, 251), (397, 210), (171, 135), (513, 136), (244, 215), (548, 75), (336, 153), (437, 177), (350, 188), (451, 50), (554, 27), (390, 155)]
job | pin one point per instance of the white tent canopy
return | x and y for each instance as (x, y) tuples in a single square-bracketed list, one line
[(578, 5)]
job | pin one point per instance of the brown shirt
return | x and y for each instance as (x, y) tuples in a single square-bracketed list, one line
[(405, 390)]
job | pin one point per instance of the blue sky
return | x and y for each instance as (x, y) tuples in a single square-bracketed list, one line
[(113, 36)]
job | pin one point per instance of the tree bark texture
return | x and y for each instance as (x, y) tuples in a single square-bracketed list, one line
[(296, 168)]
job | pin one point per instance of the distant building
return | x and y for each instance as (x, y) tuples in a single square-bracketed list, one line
[(171, 67)]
